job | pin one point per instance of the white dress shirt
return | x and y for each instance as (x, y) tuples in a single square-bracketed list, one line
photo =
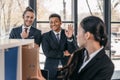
[(57, 33), (23, 28)]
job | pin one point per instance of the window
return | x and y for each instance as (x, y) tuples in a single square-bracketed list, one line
[(90, 7), (47, 7), (115, 29), (11, 15)]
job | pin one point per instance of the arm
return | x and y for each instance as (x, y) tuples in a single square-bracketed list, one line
[(12, 34), (38, 38), (71, 43), (49, 51)]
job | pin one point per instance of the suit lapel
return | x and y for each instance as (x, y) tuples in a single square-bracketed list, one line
[(32, 30), (62, 38), (94, 60), (19, 32), (54, 38), (20, 29)]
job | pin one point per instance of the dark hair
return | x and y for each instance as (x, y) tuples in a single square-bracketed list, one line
[(28, 9), (68, 71), (95, 26), (55, 15)]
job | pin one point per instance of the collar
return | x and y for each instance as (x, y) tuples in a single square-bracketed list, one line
[(91, 56), (95, 53), (57, 32), (23, 26)]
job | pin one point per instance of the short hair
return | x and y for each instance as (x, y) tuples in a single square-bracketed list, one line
[(55, 15), (95, 26), (28, 9)]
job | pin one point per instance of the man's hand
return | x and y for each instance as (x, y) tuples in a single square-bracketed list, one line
[(24, 35), (66, 53), (69, 32), (36, 45)]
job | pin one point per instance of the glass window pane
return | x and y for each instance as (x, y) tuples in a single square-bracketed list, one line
[(115, 10), (46, 7), (90, 7), (11, 15), (115, 40)]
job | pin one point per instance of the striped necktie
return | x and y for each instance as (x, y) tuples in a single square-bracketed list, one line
[(26, 29)]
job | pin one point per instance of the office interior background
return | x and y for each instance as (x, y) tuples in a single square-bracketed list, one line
[(72, 12)]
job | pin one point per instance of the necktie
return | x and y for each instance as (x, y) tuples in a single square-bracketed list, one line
[(26, 29), (58, 38)]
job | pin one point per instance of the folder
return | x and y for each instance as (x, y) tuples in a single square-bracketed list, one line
[(30, 62)]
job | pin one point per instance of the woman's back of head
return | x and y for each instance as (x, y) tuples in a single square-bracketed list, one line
[(95, 26)]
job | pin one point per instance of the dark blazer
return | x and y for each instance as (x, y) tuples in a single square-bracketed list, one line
[(54, 51), (33, 34), (99, 68)]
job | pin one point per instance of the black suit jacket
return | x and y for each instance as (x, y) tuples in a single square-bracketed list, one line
[(54, 50), (33, 34), (99, 68)]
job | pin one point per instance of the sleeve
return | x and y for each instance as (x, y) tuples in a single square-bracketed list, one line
[(12, 34), (72, 45), (38, 38)]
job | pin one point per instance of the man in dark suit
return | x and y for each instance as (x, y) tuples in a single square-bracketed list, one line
[(57, 45), (27, 31)]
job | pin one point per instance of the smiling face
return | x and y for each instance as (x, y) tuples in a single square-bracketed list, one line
[(55, 24), (28, 18)]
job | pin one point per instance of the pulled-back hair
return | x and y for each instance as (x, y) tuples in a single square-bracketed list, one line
[(28, 9), (95, 26)]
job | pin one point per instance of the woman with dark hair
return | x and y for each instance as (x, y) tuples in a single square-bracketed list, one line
[(90, 62)]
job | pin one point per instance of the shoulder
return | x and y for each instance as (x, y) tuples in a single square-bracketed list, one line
[(103, 58), (62, 30), (35, 29), (16, 28), (47, 33)]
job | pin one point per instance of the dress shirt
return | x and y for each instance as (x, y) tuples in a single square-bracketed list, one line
[(56, 33), (23, 28)]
